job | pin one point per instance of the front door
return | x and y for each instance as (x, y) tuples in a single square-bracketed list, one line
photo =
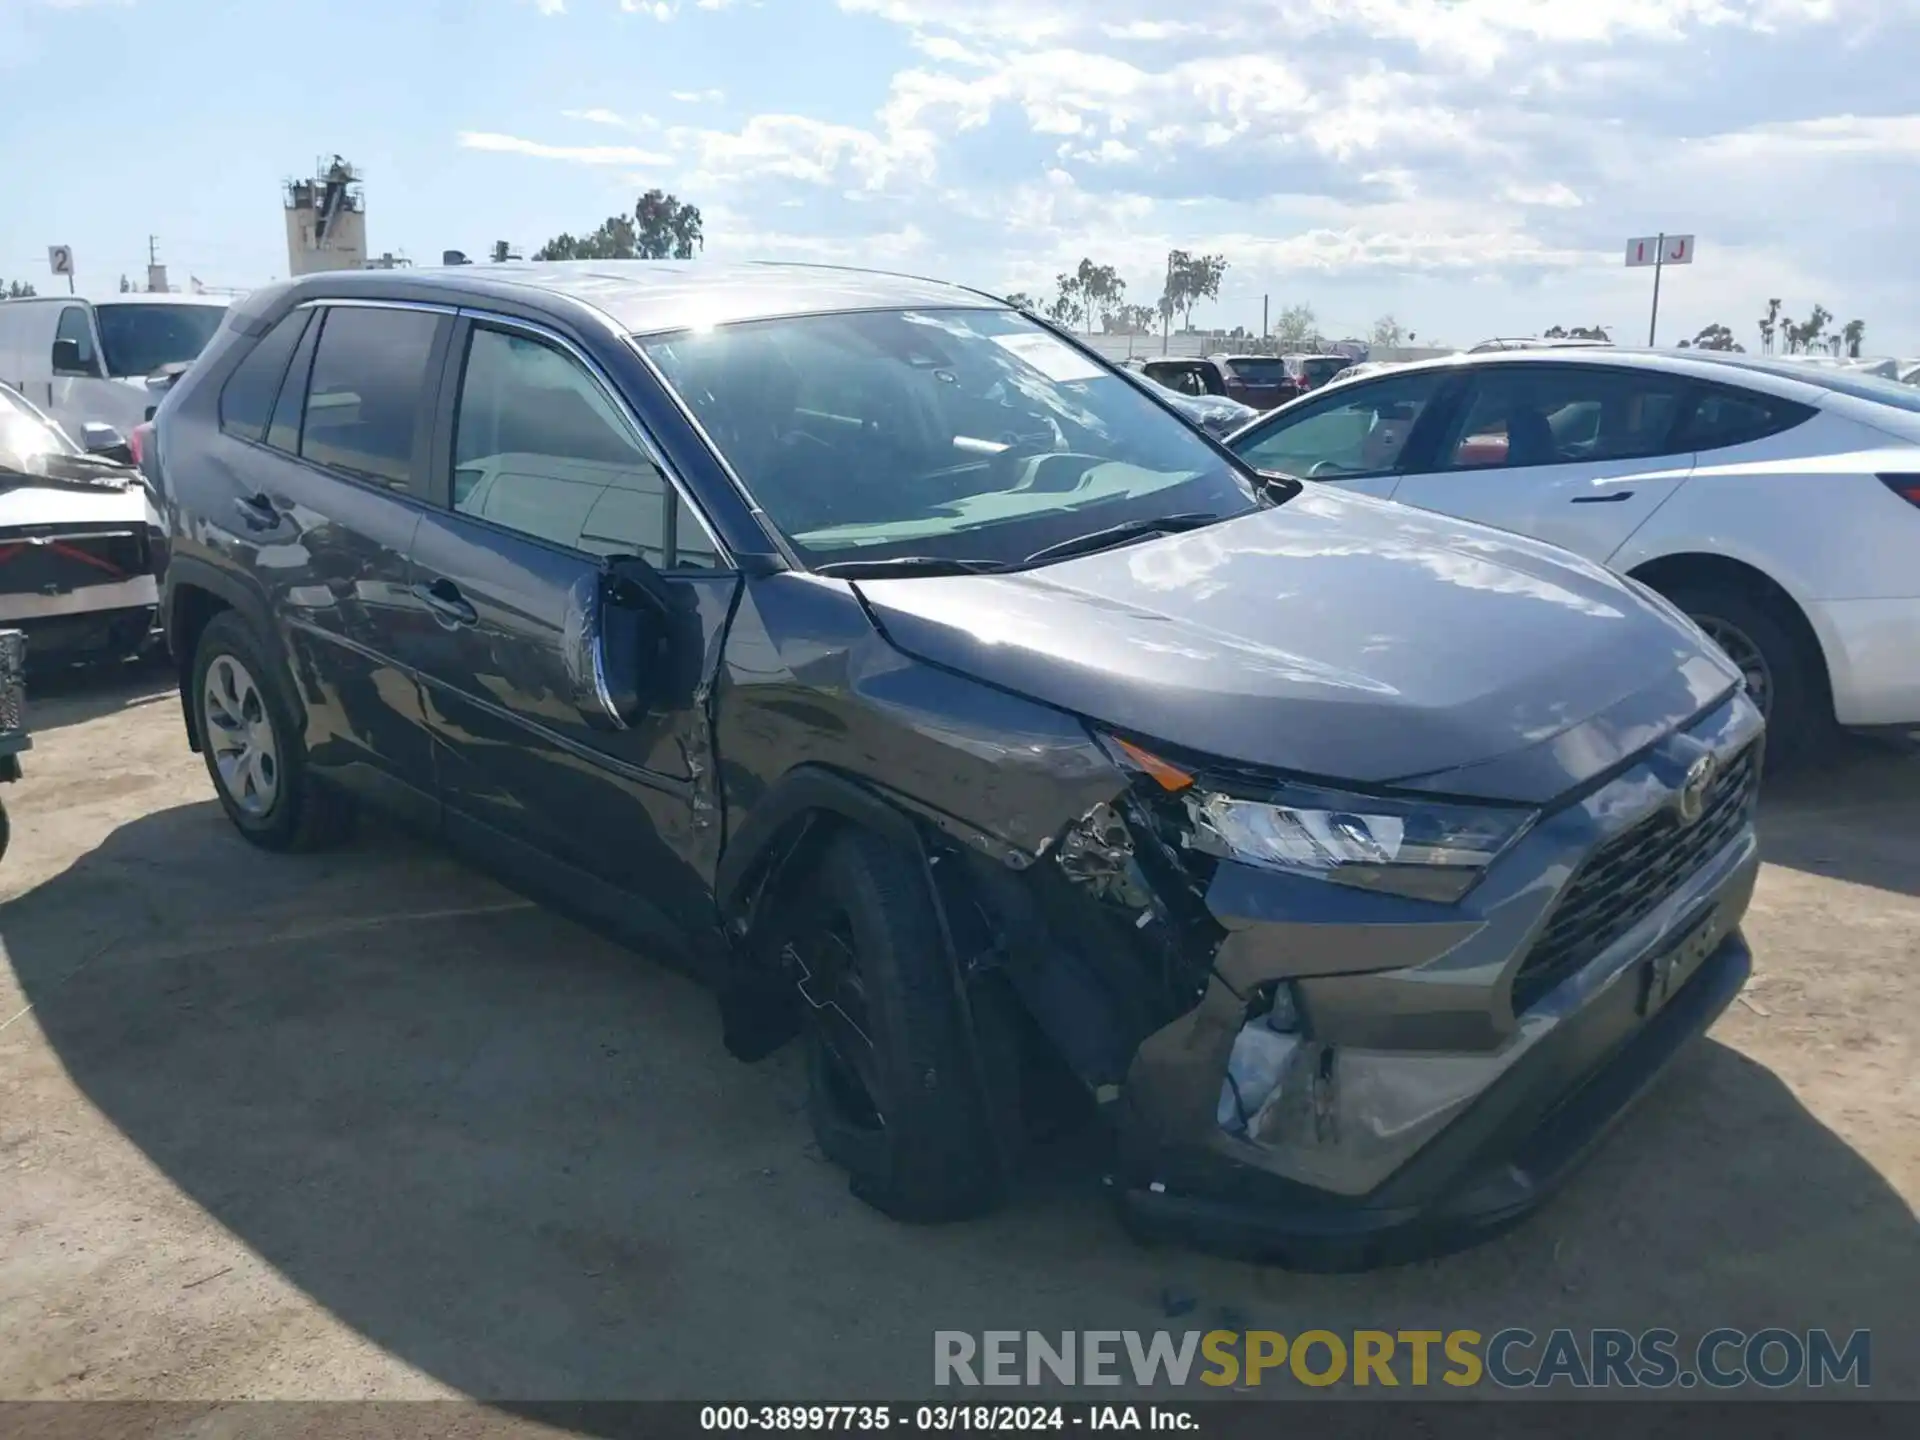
[(76, 373), (1579, 455), (547, 476)]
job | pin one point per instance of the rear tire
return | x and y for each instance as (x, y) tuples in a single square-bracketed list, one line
[(255, 754), (1784, 669), (907, 1121)]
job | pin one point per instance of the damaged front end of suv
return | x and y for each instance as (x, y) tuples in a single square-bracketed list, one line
[(1359, 865), (1339, 1029), (1339, 1023)]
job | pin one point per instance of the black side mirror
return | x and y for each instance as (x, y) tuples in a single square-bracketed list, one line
[(99, 439), (67, 361), (628, 649)]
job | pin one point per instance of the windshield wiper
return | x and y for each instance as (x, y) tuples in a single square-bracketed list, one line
[(905, 565), (1119, 534)]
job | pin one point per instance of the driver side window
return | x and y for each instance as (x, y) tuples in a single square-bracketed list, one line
[(73, 326), (1361, 431), (539, 448)]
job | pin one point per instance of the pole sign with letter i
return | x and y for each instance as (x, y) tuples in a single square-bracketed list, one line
[(1659, 251)]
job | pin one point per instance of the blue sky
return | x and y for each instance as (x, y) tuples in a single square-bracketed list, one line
[(1471, 166)]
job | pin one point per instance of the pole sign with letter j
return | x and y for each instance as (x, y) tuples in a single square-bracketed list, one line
[(1659, 251)]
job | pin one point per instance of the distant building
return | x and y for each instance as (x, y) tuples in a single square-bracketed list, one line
[(326, 220)]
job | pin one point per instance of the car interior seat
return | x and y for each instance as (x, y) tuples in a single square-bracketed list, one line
[(1529, 438)]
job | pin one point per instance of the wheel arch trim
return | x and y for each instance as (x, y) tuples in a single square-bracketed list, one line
[(187, 572), (1833, 656)]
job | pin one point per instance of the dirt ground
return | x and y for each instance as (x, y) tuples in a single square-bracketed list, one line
[(367, 1124)]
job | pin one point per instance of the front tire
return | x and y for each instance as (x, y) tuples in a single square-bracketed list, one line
[(892, 1088), (1783, 667), (254, 751)]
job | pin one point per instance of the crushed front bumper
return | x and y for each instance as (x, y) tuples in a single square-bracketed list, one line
[(1486, 1173), (1454, 1079)]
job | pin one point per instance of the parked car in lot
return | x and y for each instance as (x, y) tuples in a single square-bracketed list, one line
[(1310, 372), (1537, 342), (961, 711), (78, 540), (1363, 368), (1258, 381), (1215, 414), (1777, 504), (104, 362)]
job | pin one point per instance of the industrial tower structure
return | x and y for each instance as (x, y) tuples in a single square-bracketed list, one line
[(326, 220)]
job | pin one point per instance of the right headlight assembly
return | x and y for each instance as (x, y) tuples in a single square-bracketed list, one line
[(1418, 848)]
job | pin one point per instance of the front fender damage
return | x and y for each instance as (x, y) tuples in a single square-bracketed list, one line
[(1133, 992)]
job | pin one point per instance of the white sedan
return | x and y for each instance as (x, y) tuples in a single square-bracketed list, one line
[(1777, 504)]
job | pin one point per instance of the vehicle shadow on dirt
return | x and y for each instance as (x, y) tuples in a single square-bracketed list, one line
[(1853, 815), (75, 694), (515, 1156)]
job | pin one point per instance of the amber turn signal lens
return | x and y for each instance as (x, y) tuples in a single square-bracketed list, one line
[(1168, 776)]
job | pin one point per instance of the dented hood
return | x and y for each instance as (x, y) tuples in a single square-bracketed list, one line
[(1334, 636)]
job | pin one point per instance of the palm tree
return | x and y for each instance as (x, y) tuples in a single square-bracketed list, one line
[(1768, 324), (1851, 334)]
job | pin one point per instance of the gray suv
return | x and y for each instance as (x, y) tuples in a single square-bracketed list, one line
[(969, 719)]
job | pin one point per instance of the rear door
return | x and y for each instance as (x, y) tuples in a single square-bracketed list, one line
[(1579, 455), (1356, 438), (328, 482), (543, 471)]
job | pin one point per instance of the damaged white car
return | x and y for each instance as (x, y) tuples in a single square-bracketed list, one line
[(79, 539)]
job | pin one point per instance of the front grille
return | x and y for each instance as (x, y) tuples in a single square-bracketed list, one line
[(1625, 880), (46, 561)]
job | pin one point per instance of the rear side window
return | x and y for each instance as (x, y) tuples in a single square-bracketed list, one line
[(1723, 416), (246, 400), (284, 432), (364, 397)]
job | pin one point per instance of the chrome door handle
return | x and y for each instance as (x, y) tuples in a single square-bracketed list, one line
[(257, 511), (443, 597)]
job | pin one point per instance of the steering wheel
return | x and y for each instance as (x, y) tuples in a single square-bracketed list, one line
[(1325, 467)]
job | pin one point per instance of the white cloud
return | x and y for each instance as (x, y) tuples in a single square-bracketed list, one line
[(1827, 137), (1552, 195), (551, 7), (612, 118), (576, 154), (796, 147), (1483, 159)]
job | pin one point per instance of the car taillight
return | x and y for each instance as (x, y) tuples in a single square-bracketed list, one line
[(1907, 487), (137, 442)]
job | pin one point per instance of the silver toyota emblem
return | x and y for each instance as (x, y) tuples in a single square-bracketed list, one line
[(1692, 801)]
